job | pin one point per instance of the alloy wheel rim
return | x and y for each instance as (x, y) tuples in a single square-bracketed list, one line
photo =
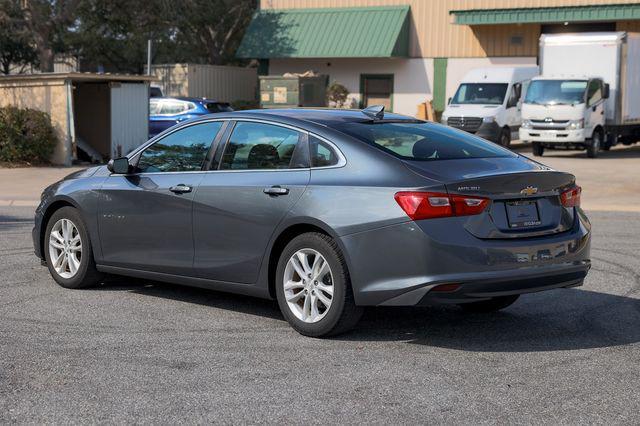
[(308, 285), (65, 248)]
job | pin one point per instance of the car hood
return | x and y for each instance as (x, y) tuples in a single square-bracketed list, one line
[(557, 112), (83, 173)]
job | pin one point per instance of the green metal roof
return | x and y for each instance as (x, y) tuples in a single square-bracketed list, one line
[(364, 32), (601, 12)]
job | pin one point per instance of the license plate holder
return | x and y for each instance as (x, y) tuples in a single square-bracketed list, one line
[(522, 214)]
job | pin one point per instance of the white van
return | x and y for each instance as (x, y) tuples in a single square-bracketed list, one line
[(487, 102)]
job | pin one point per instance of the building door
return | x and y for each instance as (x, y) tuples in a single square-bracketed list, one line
[(377, 89)]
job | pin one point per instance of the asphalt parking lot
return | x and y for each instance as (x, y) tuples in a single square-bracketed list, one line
[(142, 352)]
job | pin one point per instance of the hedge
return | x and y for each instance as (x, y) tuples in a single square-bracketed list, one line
[(26, 136)]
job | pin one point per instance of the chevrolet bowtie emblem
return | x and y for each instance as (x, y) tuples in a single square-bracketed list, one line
[(529, 190)]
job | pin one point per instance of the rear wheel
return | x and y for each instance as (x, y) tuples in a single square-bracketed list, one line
[(68, 250), (538, 149), (505, 137), (593, 146), (313, 287), (492, 305)]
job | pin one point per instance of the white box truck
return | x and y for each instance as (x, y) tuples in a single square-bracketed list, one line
[(588, 95), (487, 102)]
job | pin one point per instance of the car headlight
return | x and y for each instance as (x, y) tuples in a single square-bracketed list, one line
[(488, 119), (526, 124), (576, 124), (444, 119)]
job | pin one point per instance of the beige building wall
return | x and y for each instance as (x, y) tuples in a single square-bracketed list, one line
[(433, 35), (50, 97), (412, 78)]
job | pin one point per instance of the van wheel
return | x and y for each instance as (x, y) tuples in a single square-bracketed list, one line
[(313, 287), (505, 138), (593, 146), (538, 149)]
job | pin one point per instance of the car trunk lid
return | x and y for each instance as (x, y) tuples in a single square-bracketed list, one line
[(525, 195)]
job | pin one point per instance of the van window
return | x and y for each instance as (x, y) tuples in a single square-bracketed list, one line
[(480, 93), (514, 96)]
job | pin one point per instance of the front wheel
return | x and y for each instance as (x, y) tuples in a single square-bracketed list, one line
[(505, 138), (313, 287), (538, 149), (492, 305), (593, 146), (68, 250)]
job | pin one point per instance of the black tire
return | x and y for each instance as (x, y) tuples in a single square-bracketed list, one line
[(491, 305), (538, 149), (86, 275), (593, 146), (505, 138), (343, 314)]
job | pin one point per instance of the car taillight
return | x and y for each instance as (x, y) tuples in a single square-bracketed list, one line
[(571, 197), (429, 205)]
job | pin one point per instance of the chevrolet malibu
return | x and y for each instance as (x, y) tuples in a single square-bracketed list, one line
[(325, 211)]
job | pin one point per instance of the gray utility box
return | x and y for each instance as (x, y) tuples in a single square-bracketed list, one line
[(277, 91)]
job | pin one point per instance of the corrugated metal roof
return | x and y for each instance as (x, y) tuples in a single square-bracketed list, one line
[(364, 32), (602, 12)]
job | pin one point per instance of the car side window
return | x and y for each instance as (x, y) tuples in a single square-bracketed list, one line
[(154, 106), (181, 151), (322, 154), (259, 146), (173, 107), (594, 92)]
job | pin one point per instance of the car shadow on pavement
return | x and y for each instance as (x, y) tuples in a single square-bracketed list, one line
[(199, 296), (564, 319)]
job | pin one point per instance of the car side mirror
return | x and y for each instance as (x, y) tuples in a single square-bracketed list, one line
[(119, 166), (605, 92)]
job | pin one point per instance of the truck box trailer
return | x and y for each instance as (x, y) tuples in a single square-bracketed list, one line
[(588, 95)]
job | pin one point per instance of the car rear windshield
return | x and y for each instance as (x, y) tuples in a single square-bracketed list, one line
[(423, 141)]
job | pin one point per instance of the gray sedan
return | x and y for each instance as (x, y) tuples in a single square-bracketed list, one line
[(325, 211)]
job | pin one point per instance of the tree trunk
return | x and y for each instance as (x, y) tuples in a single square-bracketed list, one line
[(45, 56)]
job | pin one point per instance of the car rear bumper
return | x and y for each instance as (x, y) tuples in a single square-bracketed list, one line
[(553, 136), (402, 265)]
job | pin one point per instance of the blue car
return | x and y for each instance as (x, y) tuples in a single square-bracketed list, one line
[(167, 112)]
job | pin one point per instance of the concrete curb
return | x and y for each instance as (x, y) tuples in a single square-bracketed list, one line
[(19, 203)]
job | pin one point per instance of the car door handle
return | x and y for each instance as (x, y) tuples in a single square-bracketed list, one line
[(276, 190), (180, 189)]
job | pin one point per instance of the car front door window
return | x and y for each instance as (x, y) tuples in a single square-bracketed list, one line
[(258, 146), (181, 151)]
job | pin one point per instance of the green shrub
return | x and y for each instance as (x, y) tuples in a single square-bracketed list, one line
[(26, 136)]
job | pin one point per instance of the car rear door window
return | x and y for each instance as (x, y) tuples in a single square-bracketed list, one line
[(173, 107), (260, 146), (181, 151), (322, 155)]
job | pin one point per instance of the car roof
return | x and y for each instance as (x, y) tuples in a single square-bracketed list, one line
[(320, 116)]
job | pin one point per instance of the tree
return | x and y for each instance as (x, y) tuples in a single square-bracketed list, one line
[(16, 42), (211, 30), (48, 21)]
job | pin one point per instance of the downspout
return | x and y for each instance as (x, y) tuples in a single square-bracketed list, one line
[(70, 153)]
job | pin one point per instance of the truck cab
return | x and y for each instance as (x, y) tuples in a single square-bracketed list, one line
[(565, 112), (488, 102)]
